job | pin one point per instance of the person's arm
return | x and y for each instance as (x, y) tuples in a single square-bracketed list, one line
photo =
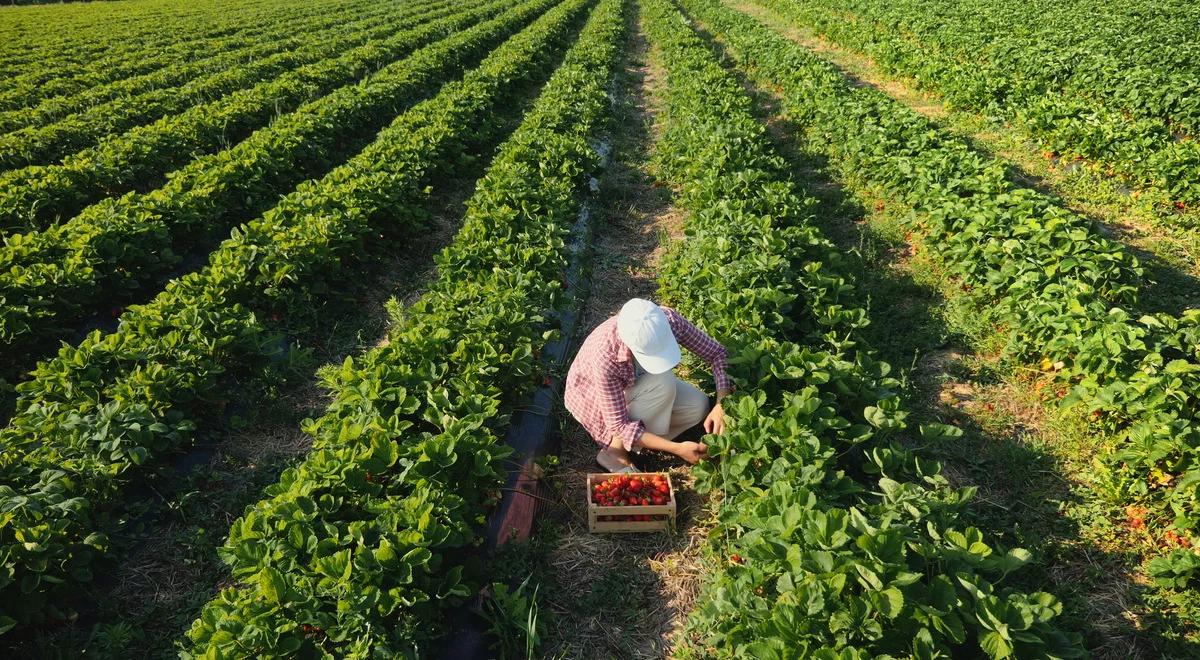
[(614, 409), (703, 346), (711, 351), (692, 452), (631, 433)]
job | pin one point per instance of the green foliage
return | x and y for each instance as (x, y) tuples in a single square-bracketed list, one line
[(121, 247), (835, 540), (34, 196), (39, 143), (1175, 570), (359, 550), (106, 410), (41, 95), (1058, 288), (1107, 83), (83, 48), (514, 620)]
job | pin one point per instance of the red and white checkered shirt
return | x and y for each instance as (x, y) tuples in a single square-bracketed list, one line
[(604, 368)]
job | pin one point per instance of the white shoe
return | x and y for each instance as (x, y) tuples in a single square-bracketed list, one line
[(609, 462)]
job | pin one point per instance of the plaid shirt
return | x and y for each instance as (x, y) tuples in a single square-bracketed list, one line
[(604, 368)]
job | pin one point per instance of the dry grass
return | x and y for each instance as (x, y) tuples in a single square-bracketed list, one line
[(660, 573)]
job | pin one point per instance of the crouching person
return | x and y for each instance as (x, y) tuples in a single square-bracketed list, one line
[(623, 390)]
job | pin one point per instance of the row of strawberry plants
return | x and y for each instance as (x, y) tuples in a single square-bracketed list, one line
[(1126, 119), (364, 547), (1048, 280), (23, 22), (111, 57), (138, 159), (107, 411), (833, 539), (116, 42), (181, 69), (32, 36), (66, 124), (1137, 55), (40, 145), (119, 248), (75, 52)]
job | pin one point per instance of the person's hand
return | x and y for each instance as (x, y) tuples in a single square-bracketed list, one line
[(692, 452), (715, 422)]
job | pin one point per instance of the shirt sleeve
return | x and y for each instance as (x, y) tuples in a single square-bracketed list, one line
[(706, 348), (614, 410)]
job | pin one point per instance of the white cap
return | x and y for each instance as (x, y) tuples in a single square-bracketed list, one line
[(644, 328)]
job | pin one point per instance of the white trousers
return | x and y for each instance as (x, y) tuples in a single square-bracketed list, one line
[(666, 405)]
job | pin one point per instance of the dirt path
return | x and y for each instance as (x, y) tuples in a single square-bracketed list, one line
[(1165, 241), (620, 596), (1030, 463)]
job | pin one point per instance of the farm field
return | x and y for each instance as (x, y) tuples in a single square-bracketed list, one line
[(284, 286)]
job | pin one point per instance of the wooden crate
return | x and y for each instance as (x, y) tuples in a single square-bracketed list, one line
[(595, 511)]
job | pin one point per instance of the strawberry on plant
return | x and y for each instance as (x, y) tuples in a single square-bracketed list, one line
[(1136, 516), (1172, 539)]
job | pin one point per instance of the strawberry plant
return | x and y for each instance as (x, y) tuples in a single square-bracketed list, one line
[(834, 539), (190, 64), (120, 247), (35, 196), (39, 145), (1175, 570), (88, 50), (361, 549), (1058, 287), (1112, 87), (104, 411)]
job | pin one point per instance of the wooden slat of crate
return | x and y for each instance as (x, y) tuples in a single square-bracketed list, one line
[(595, 511)]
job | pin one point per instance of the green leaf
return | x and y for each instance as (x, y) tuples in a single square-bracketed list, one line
[(891, 602), (933, 432), (877, 417), (273, 586), (386, 552), (995, 645)]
